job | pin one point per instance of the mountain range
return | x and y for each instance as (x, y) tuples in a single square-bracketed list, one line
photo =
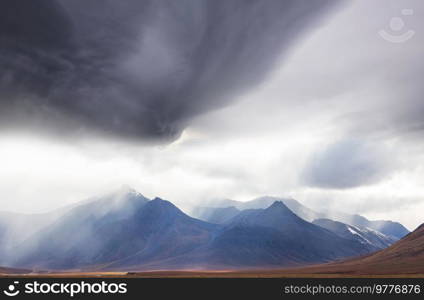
[(127, 231), (220, 211)]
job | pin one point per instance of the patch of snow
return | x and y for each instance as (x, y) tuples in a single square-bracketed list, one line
[(356, 231)]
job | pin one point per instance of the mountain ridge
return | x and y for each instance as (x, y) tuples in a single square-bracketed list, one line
[(127, 231), (390, 228)]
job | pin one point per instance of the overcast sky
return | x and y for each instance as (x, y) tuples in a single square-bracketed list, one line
[(321, 101)]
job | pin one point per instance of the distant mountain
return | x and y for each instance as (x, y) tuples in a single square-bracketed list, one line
[(14, 227), (217, 215), (295, 206), (389, 228), (402, 258), (275, 236), (214, 208), (17, 227), (116, 233), (373, 239), (261, 202), (76, 224)]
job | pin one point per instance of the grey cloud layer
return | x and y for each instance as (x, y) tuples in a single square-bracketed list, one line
[(138, 69), (347, 164)]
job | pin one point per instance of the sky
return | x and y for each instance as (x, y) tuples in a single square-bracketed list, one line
[(204, 100)]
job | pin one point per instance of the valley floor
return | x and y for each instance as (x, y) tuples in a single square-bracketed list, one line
[(309, 272)]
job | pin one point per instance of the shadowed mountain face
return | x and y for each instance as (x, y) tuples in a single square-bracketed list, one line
[(167, 233), (391, 229)]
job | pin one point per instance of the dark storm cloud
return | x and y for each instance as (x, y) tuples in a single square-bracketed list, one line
[(135, 68), (347, 164)]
